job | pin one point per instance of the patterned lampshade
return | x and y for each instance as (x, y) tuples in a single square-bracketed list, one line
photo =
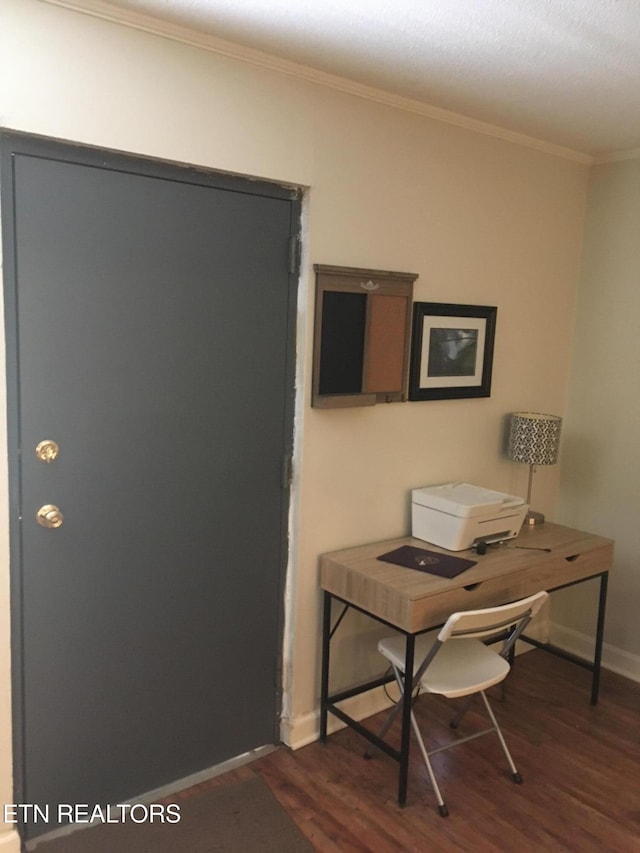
[(534, 438)]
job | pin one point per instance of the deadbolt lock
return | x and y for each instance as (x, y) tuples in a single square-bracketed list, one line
[(49, 516), (47, 450)]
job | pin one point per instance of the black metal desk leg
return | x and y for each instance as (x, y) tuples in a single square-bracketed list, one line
[(405, 741), (602, 605), (326, 647)]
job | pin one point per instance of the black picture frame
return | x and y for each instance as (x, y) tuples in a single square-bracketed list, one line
[(451, 351)]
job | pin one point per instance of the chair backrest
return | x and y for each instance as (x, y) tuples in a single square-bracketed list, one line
[(492, 620)]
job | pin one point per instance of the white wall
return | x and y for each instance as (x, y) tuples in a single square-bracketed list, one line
[(601, 447), (479, 219)]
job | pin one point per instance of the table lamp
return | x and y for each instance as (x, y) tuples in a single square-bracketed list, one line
[(534, 439)]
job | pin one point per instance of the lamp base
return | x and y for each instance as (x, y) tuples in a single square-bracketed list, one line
[(532, 518)]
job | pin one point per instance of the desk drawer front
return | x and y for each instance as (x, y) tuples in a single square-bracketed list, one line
[(548, 574)]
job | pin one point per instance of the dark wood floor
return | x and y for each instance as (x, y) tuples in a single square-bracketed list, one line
[(580, 765)]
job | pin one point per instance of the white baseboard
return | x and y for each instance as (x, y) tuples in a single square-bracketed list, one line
[(617, 660), (305, 729)]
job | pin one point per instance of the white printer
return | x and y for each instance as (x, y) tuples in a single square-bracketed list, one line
[(456, 516)]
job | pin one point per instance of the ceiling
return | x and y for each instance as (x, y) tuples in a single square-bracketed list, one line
[(566, 72)]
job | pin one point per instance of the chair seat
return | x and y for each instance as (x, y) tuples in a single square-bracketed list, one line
[(461, 666)]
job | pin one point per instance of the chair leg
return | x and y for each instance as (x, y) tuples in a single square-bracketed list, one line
[(444, 811), (393, 713), (514, 773)]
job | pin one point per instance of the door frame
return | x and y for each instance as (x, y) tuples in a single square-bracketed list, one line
[(11, 143)]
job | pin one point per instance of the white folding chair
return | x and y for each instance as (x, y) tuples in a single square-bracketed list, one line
[(459, 664)]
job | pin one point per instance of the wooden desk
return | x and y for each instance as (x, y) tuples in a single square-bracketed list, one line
[(547, 556)]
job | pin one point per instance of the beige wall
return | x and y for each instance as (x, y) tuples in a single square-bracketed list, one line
[(601, 445), (479, 219)]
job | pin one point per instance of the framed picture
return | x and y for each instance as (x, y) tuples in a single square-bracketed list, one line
[(451, 351)]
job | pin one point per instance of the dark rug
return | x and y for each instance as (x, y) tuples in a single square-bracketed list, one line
[(241, 816)]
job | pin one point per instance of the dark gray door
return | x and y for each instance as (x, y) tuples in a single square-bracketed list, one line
[(150, 335)]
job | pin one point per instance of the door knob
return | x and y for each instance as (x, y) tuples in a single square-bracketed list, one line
[(47, 450), (49, 516)]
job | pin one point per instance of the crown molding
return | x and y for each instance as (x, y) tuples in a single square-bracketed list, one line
[(204, 41)]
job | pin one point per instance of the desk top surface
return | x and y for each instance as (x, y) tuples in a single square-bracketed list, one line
[(414, 600)]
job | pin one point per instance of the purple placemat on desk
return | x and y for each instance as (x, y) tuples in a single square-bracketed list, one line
[(444, 565)]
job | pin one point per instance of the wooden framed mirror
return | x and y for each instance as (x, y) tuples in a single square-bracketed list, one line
[(361, 336)]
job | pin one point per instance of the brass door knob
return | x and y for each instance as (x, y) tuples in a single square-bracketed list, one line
[(47, 450), (49, 516)]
